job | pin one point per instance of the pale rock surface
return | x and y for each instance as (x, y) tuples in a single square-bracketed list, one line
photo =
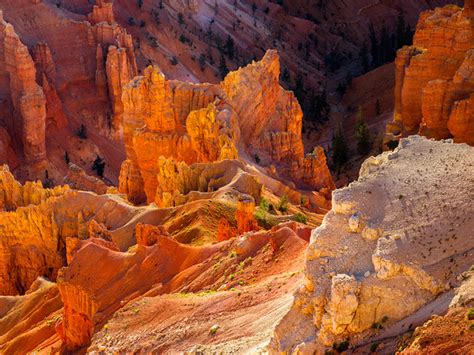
[(393, 241)]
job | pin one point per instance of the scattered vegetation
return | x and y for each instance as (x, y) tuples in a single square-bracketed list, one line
[(99, 166), (301, 218), (283, 204), (364, 144), (470, 314), (214, 329), (48, 183), (341, 347), (374, 347), (340, 151), (81, 132)]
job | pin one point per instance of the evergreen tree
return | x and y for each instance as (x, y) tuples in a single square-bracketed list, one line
[(223, 70), (362, 134), (99, 166), (319, 107), (374, 46), (340, 151), (229, 46), (364, 57)]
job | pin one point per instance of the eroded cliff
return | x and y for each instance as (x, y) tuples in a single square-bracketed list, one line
[(248, 114), (390, 245), (435, 78)]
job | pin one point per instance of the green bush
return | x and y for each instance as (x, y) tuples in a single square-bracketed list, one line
[(470, 314), (341, 347), (283, 204), (264, 204), (301, 218)]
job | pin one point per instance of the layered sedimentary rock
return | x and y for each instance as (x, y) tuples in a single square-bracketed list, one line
[(7, 153), (46, 76), (244, 215), (435, 78), (77, 179), (28, 98), (38, 228), (200, 123), (393, 241), (27, 320), (178, 183), (88, 301), (117, 66)]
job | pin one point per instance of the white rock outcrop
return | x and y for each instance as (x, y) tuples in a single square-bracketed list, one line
[(393, 241)]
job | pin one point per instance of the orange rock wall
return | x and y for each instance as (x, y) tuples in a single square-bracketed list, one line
[(249, 112), (435, 77)]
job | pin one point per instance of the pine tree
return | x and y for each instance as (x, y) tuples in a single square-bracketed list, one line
[(364, 57), (223, 70), (340, 151), (229, 46), (362, 133), (374, 46), (99, 166)]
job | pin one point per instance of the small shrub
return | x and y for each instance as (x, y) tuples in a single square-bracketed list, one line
[(99, 166), (264, 204), (213, 329), (341, 347), (257, 159), (373, 347), (301, 218), (470, 314), (303, 200), (180, 18), (283, 204), (81, 132)]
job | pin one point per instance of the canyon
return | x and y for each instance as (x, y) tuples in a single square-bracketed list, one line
[(173, 178)]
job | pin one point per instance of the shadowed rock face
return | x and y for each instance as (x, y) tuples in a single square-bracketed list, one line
[(435, 78), (249, 113), (393, 241)]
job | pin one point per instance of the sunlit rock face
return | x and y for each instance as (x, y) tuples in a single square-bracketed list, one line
[(435, 78), (249, 113), (393, 241)]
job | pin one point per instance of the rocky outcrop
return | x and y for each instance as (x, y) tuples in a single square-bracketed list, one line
[(28, 320), (178, 183), (40, 227), (118, 66), (46, 76), (28, 98), (78, 179), (169, 119), (148, 235), (249, 112), (244, 215), (7, 153), (389, 245), (435, 78), (88, 301)]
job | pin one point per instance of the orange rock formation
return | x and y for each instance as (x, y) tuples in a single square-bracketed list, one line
[(244, 215), (435, 78), (248, 112), (27, 97)]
